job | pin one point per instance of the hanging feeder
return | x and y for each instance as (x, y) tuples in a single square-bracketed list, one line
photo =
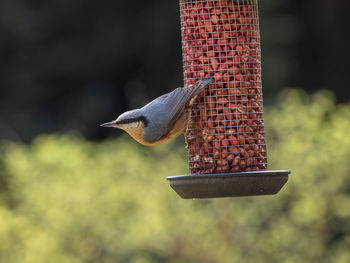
[(225, 135)]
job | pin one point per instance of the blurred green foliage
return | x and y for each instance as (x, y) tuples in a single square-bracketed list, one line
[(64, 199)]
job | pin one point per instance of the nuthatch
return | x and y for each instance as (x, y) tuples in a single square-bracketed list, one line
[(162, 119)]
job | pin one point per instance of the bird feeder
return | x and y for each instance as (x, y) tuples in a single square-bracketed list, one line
[(225, 135)]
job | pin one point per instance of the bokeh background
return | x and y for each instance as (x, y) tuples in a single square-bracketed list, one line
[(71, 191)]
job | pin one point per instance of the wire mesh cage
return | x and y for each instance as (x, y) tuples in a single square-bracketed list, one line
[(225, 134)]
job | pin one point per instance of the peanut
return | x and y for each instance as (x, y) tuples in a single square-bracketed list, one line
[(221, 40)]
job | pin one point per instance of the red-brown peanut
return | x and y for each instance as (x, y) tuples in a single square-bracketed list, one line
[(220, 39)]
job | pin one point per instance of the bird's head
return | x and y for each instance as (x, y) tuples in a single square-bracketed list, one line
[(133, 122)]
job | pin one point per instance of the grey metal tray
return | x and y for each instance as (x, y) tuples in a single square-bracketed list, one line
[(229, 184)]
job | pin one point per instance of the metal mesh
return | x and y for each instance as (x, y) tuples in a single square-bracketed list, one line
[(221, 39)]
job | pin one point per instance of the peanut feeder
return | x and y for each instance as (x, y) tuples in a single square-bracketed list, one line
[(225, 135)]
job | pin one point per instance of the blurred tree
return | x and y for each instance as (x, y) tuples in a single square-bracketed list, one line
[(70, 200)]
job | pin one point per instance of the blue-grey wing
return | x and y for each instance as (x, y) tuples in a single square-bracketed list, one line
[(176, 103), (164, 111)]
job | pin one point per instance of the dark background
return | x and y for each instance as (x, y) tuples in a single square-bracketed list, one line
[(71, 65)]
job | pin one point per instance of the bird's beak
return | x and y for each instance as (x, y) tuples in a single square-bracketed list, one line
[(109, 124)]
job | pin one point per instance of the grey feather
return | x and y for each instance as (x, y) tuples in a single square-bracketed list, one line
[(160, 115), (164, 111)]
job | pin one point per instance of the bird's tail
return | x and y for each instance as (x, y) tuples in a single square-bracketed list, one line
[(199, 86)]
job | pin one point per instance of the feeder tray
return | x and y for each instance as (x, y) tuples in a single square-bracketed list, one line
[(225, 133), (228, 184)]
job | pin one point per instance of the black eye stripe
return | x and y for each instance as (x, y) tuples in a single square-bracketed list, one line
[(144, 120), (131, 120), (126, 121)]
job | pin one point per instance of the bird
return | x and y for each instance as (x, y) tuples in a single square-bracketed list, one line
[(162, 119)]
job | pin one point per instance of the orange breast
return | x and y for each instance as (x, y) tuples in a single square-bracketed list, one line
[(137, 133), (178, 129)]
